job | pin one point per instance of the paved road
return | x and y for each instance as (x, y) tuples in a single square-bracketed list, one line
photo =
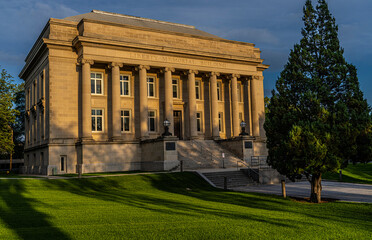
[(349, 192)]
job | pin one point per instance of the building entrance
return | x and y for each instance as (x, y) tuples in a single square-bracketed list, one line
[(177, 118)]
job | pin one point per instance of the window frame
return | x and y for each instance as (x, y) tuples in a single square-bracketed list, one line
[(122, 84), (95, 83), (155, 121), (239, 89), (178, 88), (220, 122), (122, 118), (63, 164), (148, 87), (200, 120), (103, 120), (198, 89), (219, 91)]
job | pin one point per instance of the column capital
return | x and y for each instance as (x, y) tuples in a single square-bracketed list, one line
[(115, 64), (234, 75), (192, 71), (167, 69), (89, 61), (140, 67), (217, 74), (210, 74), (256, 77)]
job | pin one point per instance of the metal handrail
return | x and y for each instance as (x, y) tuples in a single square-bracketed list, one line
[(203, 149)]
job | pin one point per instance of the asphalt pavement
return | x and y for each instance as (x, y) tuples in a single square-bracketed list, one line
[(349, 192)]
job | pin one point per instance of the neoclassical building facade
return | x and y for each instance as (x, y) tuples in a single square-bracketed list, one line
[(99, 84)]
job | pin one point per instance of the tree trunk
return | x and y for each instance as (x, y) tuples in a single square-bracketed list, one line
[(316, 188)]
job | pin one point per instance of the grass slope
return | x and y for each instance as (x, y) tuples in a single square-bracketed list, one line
[(166, 206), (359, 173)]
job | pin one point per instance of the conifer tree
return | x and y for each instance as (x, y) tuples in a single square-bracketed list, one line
[(317, 110)]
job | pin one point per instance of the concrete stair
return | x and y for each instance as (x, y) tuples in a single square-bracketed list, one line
[(234, 178), (205, 154)]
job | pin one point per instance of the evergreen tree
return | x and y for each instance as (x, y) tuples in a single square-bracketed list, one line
[(19, 124), (7, 113), (318, 110)]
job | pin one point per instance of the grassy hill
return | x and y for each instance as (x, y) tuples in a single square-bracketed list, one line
[(359, 173), (166, 206)]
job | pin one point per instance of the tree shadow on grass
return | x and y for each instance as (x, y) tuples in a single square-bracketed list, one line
[(175, 194), (19, 214)]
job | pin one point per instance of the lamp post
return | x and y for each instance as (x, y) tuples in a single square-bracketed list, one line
[(166, 125), (243, 125)]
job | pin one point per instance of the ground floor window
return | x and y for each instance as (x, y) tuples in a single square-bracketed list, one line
[(220, 121), (97, 120), (63, 163), (125, 120), (152, 121), (198, 121)]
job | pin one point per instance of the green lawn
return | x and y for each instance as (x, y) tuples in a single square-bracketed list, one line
[(359, 173), (166, 206)]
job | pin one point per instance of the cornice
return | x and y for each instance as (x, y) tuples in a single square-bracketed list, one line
[(81, 40)]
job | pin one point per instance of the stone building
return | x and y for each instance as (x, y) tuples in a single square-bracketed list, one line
[(100, 83)]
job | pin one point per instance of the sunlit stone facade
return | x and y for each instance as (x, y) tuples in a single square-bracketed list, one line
[(99, 83)]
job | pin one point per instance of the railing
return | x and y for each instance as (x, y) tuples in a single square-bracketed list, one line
[(213, 157)]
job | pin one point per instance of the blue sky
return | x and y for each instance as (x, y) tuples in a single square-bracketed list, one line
[(273, 25)]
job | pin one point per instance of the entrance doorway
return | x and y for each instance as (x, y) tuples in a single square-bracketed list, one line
[(177, 119)]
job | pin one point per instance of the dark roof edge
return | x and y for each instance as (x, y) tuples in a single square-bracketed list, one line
[(141, 18), (164, 31)]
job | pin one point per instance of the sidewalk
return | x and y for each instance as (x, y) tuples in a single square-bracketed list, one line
[(349, 192)]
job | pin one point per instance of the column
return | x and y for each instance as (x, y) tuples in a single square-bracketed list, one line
[(168, 98), (115, 93), (192, 103), (143, 100), (235, 106), (86, 105), (258, 107), (214, 104)]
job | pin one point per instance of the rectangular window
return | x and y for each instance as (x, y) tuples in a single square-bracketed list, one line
[(124, 85), (175, 88), (198, 89), (239, 88), (152, 121), (96, 81), (42, 85), (63, 163), (97, 120), (150, 86), (198, 121), (219, 91), (220, 121), (125, 120)]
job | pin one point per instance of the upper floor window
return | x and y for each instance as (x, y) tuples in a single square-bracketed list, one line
[(124, 85), (219, 91), (42, 84), (97, 120), (239, 87), (96, 81), (175, 88), (152, 121), (125, 120), (150, 86), (198, 89)]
